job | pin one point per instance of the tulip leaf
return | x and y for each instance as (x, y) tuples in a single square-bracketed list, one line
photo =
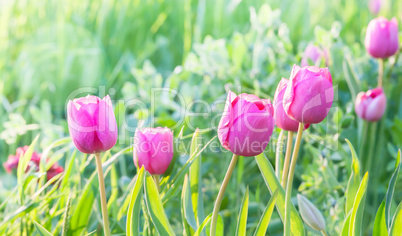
[(68, 170), (133, 212), (202, 225), (358, 208), (391, 189), (380, 225), (242, 221), (354, 180), (23, 165), (266, 216), (196, 179), (82, 213), (187, 205), (396, 227), (155, 207), (273, 184), (346, 223), (41, 230)]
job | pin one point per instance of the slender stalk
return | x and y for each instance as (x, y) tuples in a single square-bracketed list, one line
[(380, 71), (102, 194), (157, 182), (290, 179), (324, 233), (278, 154), (363, 139), (221, 193), (371, 146), (287, 158)]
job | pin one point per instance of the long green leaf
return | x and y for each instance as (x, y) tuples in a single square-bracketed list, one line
[(266, 216), (354, 180), (187, 204), (41, 230), (272, 182), (155, 207), (202, 225), (346, 223), (242, 221), (396, 227), (22, 166), (133, 212), (82, 213), (196, 179), (380, 225), (358, 208), (391, 189)]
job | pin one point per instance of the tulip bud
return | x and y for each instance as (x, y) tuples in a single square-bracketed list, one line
[(314, 54), (371, 105), (281, 119), (374, 6), (382, 37), (153, 149), (246, 125), (309, 94), (310, 214), (92, 124)]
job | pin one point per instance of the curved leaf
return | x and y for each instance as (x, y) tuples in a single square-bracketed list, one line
[(396, 228), (380, 225), (358, 207), (391, 189), (155, 207), (272, 182), (242, 221), (202, 225), (354, 180), (41, 230), (266, 216), (187, 206), (133, 212)]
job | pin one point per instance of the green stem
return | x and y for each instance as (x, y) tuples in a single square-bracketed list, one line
[(380, 71), (290, 179), (278, 155), (287, 158), (324, 233), (221, 193), (157, 182), (102, 194), (363, 139), (371, 146)]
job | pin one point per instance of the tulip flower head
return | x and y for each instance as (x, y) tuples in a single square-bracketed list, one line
[(246, 125), (371, 105), (281, 119), (92, 124), (314, 54), (374, 6), (309, 94), (153, 149), (382, 37)]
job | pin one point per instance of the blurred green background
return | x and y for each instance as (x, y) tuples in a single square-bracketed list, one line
[(51, 48)]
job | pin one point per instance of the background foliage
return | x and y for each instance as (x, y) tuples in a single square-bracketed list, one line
[(199, 49)]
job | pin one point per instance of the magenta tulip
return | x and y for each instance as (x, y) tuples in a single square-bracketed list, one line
[(374, 6), (153, 149), (92, 124), (382, 37), (314, 54), (281, 119), (371, 105), (309, 94), (246, 124)]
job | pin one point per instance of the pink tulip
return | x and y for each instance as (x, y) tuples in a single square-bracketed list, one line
[(281, 119), (374, 6), (382, 37), (314, 54), (371, 105), (13, 161), (153, 149), (246, 124), (92, 124), (309, 94)]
